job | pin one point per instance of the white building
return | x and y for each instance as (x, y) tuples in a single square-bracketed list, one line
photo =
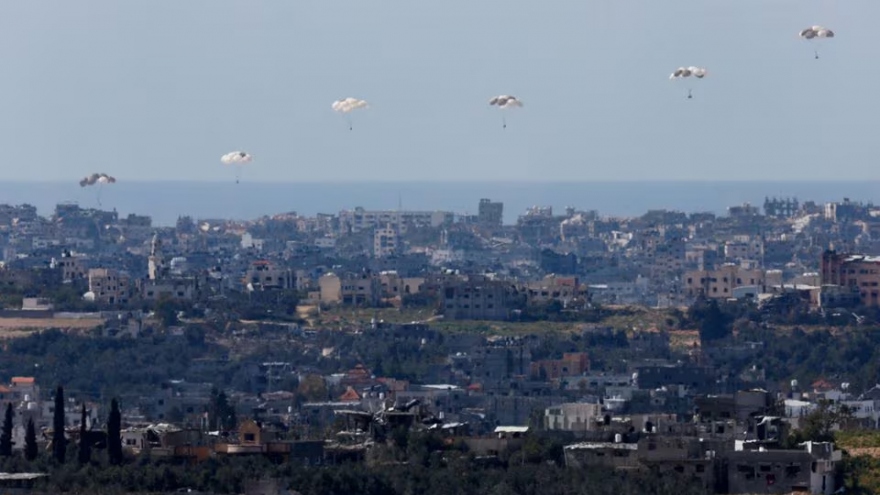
[(572, 416), (360, 219)]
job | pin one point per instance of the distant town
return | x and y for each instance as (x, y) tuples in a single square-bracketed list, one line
[(729, 354)]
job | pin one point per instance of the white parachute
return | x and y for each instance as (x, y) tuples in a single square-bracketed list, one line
[(237, 159), (815, 33), (686, 73), (347, 105), (504, 102)]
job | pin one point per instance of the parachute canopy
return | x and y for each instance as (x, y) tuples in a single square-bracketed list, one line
[(97, 178), (682, 72), (348, 104), (236, 157), (813, 32), (505, 101)]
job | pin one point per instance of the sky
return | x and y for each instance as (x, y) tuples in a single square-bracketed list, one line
[(160, 89)]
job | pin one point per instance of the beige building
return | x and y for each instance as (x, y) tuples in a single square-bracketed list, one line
[(109, 286), (855, 273), (358, 289), (394, 285), (556, 288), (386, 241), (719, 283), (743, 248)]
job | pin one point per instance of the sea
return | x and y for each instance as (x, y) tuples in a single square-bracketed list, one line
[(165, 202)]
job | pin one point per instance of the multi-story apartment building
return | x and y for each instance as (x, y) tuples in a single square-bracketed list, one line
[(477, 299), (109, 286), (264, 274), (386, 241), (857, 273), (719, 283), (490, 213), (350, 288), (360, 219)]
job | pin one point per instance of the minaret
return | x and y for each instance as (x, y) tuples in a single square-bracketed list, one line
[(156, 265)]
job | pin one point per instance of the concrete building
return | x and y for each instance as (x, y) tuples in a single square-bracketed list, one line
[(856, 273), (571, 364), (720, 283), (263, 274), (556, 288), (360, 219), (394, 285), (573, 416), (181, 289), (386, 241), (477, 299), (356, 289), (109, 286), (72, 267), (490, 213)]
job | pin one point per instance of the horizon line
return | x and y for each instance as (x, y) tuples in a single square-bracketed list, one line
[(451, 181)]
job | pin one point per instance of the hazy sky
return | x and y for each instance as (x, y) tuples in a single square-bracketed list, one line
[(161, 89)]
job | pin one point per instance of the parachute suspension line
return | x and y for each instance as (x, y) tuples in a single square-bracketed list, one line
[(690, 93), (816, 53), (350, 125), (98, 195), (503, 121)]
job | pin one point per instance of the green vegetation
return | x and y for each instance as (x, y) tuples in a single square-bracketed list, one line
[(114, 437), (862, 460), (858, 439), (415, 465), (6, 434), (59, 441), (90, 365)]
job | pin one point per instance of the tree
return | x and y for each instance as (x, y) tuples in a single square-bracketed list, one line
[(114, 434), (85, 446), (166, 310), (313, 388), (818, 425), (59, 441), (712, 322), (221, 414), (6, 434), (30, 442)]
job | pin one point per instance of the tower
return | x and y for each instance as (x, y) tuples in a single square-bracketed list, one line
[(156, 264)]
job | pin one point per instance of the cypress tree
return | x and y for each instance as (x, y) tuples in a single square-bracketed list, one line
[(85, 446), (114, 434), (59, 441), (30, 442), (6, 434)]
